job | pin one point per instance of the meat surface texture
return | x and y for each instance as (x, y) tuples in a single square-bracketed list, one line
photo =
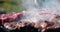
[(45, 21)]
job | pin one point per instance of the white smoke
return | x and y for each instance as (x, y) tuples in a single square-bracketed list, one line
[(36, 9)]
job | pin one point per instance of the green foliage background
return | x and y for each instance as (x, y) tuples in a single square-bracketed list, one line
[(12, 5)]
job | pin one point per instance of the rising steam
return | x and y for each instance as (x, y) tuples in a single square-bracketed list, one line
[(40, 9)]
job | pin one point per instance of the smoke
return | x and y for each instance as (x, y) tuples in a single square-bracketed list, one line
[(40, 9)]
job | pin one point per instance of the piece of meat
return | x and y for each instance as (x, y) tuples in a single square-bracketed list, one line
[(53, 22)]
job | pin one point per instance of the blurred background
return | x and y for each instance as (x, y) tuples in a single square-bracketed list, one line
[(11, 5)]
